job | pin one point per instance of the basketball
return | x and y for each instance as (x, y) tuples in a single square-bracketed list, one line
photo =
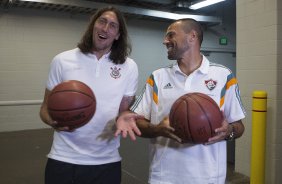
[(71, 103), (195, 116)]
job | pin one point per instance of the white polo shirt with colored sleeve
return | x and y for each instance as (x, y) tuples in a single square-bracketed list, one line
[(174, 163)]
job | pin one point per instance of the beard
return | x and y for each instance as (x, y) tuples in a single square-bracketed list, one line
[(171, 54), (176, 53)]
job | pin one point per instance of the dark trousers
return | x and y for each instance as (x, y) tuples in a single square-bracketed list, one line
[(58, 172)]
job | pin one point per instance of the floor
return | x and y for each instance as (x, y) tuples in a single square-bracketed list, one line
[(23, 158), (236, 178)]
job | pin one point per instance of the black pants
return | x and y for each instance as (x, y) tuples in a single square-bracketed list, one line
[(58, 172)]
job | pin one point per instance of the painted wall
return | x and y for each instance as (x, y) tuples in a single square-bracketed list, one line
[(29, 39), (259, 67)]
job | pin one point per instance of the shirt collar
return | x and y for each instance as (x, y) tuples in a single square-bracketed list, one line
[(105, 56), (203, 68)]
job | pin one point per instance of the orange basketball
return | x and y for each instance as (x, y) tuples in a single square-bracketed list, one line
[(71, 103), (195, 116)]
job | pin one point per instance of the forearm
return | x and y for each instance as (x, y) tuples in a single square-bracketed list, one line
[(125, 103), (147, 129), (44, 114), (163, 129)]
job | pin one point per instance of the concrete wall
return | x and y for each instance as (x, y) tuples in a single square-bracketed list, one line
[(31, 38), (259, 68)]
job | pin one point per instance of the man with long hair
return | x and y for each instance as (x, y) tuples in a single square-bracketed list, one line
[(89, 154)]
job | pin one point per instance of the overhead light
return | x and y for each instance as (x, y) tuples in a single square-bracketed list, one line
[(203, 3)]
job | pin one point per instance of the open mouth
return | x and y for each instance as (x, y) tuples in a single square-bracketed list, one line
[(169, 47), (103, 37)]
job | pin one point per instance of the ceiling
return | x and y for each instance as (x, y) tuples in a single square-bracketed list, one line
[(153, 9)]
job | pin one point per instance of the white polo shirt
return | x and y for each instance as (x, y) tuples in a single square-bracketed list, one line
[(174, 163), (93, 143)]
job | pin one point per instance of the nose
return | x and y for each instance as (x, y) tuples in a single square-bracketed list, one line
[(165, 41), (106, 27)]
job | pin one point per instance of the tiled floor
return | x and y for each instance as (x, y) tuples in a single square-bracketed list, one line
[(23, 157)]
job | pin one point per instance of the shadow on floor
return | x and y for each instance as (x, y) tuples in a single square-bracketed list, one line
[(23, 158)]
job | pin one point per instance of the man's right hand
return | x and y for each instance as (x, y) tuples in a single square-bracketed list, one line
[(164, 129), (54, 124), (126, 124)]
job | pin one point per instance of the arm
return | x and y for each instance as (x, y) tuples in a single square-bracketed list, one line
[(44, 115), (130, 123), (234, 109), (126, 121), (162, 129), (125, 103)]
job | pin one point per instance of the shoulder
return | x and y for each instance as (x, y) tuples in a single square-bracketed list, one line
[(68, 54), (211, 67), (215, 67), (67, 58), (164, 70), (130, 63), (219, 66), (162, 73)]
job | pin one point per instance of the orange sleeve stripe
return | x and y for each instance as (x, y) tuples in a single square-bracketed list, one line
[(231, 82), (155, 98), (228, 85), (150, 81), (221, 102)]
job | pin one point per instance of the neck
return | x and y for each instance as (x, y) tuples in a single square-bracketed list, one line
[(100, 53), (190, 62)]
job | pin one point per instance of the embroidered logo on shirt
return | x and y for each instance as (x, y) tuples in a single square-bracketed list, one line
[(168, 86), (211, 84), (115, 72)]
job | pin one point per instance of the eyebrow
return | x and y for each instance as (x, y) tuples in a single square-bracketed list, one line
[(170, 33), (113, 22)]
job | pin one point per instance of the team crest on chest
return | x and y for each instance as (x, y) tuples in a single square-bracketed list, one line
[(115, 72), (211, 84)]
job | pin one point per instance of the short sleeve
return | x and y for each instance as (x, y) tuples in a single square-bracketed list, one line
[(54, 76), (132, 79), (233, 107), (144, 102)]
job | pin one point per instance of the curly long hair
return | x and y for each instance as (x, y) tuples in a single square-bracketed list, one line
[(120, 49)]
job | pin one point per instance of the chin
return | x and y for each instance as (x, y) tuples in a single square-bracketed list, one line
[(171, 57)]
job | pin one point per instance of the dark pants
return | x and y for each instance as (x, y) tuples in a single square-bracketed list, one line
[(58, 172)]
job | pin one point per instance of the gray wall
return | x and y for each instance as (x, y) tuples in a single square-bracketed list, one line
[(31, 38)]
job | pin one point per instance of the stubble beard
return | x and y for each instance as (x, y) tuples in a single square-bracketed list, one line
[(177, 53), (171, 54)]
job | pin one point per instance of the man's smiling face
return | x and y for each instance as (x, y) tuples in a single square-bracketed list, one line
[(105, 32), (175, 41)]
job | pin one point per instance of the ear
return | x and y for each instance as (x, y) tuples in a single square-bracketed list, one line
[(192, 36)]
